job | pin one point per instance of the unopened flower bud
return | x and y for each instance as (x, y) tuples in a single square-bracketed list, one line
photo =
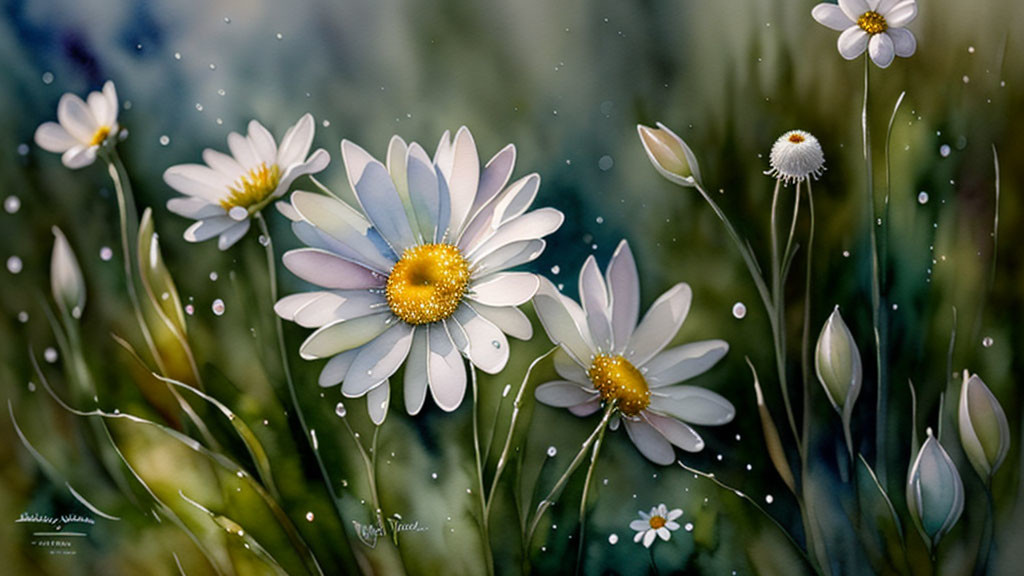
[(66, 279), (670, 155), (984, 431), (935, 493), (837, 363)]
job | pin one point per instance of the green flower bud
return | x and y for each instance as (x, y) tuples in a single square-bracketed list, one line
[(984, 431), (670, 155), (935, 493), (66, 281), (837, 363)]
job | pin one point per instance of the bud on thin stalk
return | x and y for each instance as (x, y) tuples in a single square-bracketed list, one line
[(66, 281), (984, 430), (670, 155), (838, 366)]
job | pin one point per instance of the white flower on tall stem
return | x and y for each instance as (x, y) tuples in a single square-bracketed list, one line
[(874, 25), (795, 157), (660, 522), (225, 193), (417, 275), (607, 357), (82, 127)]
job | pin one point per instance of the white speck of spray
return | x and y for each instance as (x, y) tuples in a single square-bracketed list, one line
[(552, 451), (987, 342), (218, 307), (50, 355), (14, 265), (309, 516), (922, 197), (613, 539), (739, 310), (106, 253), (688, 527), (12, 204)]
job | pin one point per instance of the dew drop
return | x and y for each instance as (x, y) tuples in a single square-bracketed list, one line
[(227, 20), (944, 150), (556, 269), (613, 539), (970, 49), (433, 475), (213, 276), (279, 36), (165, 140), (199, 107), (106, 253), (213, 66), (309, 516), (218, 307), (769, 499), (552, 451), (190, 309), (23, 149), (506, 390), (50, 355), (14, 265), (966, 79), (23, 317), (688, 527), (264, 240), (31, 386), (846, 253), (750, 467), (47, 78), (312, 437), (605, 163), (496, 344), (12, 204), (340, 410), (922, 197), (177, 55), (739, 311), (987, 341)]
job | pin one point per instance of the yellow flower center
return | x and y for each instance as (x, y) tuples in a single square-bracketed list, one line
[(872, 22), (253, 187), (427, 283), (100, 136), (657, 522), (616, 379), (796, 138)]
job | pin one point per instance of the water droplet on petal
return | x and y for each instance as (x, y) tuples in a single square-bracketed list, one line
[(496, 344)]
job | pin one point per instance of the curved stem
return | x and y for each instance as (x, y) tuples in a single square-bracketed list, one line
[(544, 504), (805, 344), (484, 524), (778, 313), (986, 544), (583, 499), (787, 254)]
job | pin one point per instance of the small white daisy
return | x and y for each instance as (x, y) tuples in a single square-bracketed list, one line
[(227, 191), (417, 275), (659, 523), (83, 127), (873, 25), (606, 356), (796, 156)]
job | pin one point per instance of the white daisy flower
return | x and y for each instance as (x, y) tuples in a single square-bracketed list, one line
[(606, 356), (795, 157), (874, 25), (417, 275), (660, 523), (227, 191), (83, 127)]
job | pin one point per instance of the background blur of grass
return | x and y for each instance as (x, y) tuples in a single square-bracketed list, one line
[(566, 82)]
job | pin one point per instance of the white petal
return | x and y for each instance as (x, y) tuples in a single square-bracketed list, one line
[(663, 533), (355, 239), (296, 142), (488, 346), (194, 208), (377, 195), (508, 256), (488, 218), (494, 176), (881, 50), (317, 162), (675, 432), (639, 535), (463, 179), (831, 16), (336, 368), (903, 42), (594, 297), (208, 228), (516, 199), (229, 168), (377, 402), (852, 42), (567, 368), (241, 148), (684, 362), (288, 306), (344, 335), (416, 372), (563, 394), (901, 14), (233, 234), (445, 370), (378, 360), (424, 190), (343, 305), (586, 409), (639, 525), (693, 404), (673, 514), (52, 137), (854, 8), (198, 180), (624, 288), (110, 94), (98, 106), (660, 324), (322, 268), (560, 324), (443, 153), (649, 537), (529, 226), (504, 289), (79, 157), (508, 319), (76, 117), (650, 443)]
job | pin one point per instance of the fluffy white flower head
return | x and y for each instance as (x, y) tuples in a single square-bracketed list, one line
[(795, 157), (417, 273), (227, 191), (660, 522), (82, 127), (873, 25), (608, 357)]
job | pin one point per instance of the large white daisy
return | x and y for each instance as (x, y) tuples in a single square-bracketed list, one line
[(607, 356), (83, 127), (227, 191), (873, 25), (417, 274)]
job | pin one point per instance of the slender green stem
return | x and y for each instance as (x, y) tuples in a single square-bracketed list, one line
[(485, 532), (369, 464), (787, 254), (777, 311), (544, 504), (805, 344), (580, 557), (283, 350), (654, 565), (986, 544)]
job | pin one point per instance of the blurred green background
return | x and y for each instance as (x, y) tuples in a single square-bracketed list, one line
[(566, 82)]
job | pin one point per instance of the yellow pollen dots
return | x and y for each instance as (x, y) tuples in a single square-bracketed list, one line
[(427, 283), (253, 187), (100, 136), (796, 138), (657, 522), (872, 22), (616, 379)]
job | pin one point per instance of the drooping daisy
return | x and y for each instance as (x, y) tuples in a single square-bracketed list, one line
[(83, 127), (606, 356), (227, 191), (874, 25), (417, 274), (795, 157), (660, 523)]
